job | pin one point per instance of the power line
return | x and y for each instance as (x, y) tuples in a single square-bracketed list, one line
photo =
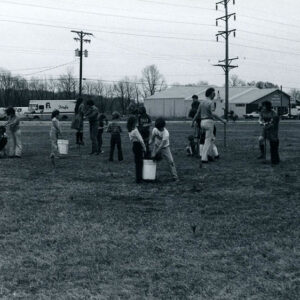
[(107, 15), (52, 68), (176, 5), (111, 32)]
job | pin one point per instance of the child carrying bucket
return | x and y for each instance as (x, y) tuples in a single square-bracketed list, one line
[(160, 137), (138, 147), (55, 132)]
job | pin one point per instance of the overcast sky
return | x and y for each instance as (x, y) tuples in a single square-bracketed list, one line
[(176, 35)]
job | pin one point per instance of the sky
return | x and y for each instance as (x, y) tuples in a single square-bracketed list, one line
[(178, 36)]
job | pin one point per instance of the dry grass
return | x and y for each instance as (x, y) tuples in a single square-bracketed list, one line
[(85, 230)]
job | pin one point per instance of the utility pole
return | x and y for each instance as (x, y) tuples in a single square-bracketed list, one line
[(226, 63), (80, 52)]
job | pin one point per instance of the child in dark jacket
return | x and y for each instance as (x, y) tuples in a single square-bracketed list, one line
[(114, 128), (3, 141), (102, 123), (191, 148), (138, 147)]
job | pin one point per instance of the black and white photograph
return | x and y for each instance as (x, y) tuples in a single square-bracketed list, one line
[(150, 149)]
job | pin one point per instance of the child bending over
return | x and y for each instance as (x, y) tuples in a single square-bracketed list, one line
[(160, 138)]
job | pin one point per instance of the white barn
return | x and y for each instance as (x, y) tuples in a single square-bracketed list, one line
[(176, 101)]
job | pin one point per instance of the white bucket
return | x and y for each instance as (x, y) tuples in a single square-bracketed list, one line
[(149, 169), (63, 146)]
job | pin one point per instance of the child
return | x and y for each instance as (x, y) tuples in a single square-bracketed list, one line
[(3, 141), (115, 129), (138, 147), (92, 114), (270, 122), (160, 137), (144, 123), (191, 148), (102, 122), (55, 132), (13, 124)]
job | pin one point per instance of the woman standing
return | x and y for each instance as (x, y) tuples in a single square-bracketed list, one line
[(78, 121)]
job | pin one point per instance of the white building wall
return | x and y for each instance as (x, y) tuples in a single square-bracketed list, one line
[(168, 108)]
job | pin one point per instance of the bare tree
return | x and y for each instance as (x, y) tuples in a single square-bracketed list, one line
[(120, 89), (136, 86), (109, 94), (235, 81), (152, 81), (67, 85), (295, 94), (6, 84)]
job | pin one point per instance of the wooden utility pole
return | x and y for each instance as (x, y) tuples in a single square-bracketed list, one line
[(79, 52)]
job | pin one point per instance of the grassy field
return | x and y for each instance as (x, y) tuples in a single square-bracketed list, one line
[(85, 230)]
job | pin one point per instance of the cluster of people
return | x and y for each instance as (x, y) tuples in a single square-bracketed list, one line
[(138, 130), (202, 143), (153, 145)]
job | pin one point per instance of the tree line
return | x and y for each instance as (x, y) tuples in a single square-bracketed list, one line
[(108, 96)]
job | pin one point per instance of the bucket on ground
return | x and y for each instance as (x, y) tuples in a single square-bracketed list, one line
[(149, 169), (63, 146)]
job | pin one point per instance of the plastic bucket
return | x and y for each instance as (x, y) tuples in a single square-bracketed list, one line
[(63, 146), (149, 169)]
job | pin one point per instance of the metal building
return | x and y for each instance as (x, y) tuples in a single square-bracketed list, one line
[(175, 102)]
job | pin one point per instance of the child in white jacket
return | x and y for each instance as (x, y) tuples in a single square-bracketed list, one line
[(55, 132), (14, 134)]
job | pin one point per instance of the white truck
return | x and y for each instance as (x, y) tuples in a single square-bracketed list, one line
[(42, 109)]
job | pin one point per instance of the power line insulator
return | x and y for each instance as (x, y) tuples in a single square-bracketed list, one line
[(86, 53)]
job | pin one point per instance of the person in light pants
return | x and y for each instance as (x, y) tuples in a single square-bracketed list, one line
[(205, 110), (14, 133), (160, 137)]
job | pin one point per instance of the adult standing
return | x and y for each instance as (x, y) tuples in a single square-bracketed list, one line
[(78, 121), (270, 122), (197, 132), (14, 133), (92, 113), (206, 109)]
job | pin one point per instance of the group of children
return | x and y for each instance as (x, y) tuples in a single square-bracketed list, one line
[(145, 145), (138, 130)]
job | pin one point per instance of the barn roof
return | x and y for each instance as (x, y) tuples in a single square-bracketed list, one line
[(243, 95), (178, 92)]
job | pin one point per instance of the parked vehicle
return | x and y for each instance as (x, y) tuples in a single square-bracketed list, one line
[(42, 109), (21, 112), (253, 115), (294, 114)]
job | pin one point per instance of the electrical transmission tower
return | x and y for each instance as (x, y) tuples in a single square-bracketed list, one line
[(226, 63), (80, 52)]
